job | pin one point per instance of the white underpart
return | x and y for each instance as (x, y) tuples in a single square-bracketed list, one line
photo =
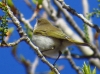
[(52, 45)]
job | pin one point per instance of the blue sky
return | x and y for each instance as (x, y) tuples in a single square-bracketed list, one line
[(9, 65)]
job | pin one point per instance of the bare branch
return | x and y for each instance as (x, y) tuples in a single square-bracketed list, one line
[(29, 5), (28, 41), (69, 58), (13, 43), (71, 20), (34, 65), (72, 11), (26, 22), (85, 12)]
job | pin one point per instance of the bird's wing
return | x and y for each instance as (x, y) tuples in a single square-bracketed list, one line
[(53, 33), (56, 34), (60, 35)]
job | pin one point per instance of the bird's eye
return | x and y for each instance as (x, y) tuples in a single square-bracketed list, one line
[(39, 21)]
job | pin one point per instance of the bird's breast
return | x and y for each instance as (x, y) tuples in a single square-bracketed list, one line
[(50, 46), (45, 43)]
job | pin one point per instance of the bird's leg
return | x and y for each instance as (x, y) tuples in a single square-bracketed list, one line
[(57, 58)]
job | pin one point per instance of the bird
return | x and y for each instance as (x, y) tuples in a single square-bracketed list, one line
[(51, 40)]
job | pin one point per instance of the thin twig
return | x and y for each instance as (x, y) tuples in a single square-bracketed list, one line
[(13, 43), (69, 58)]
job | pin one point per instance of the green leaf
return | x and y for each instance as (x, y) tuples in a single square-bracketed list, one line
[(10, 3), (37, 1), (1, 29), (34, 1), (40, 2), (87, 70), (94, 71)]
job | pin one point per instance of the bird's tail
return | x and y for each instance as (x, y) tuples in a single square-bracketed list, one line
[(81, 43), (77, 43)]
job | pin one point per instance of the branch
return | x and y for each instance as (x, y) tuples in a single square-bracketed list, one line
[(65, 28), (26, 22), (34, 65), (13, 43), (28, 41), (50, 10), (72, 11), (85, 12), (70, 20), (88, 51), (69, 58), (93, 47), (29, 5)]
